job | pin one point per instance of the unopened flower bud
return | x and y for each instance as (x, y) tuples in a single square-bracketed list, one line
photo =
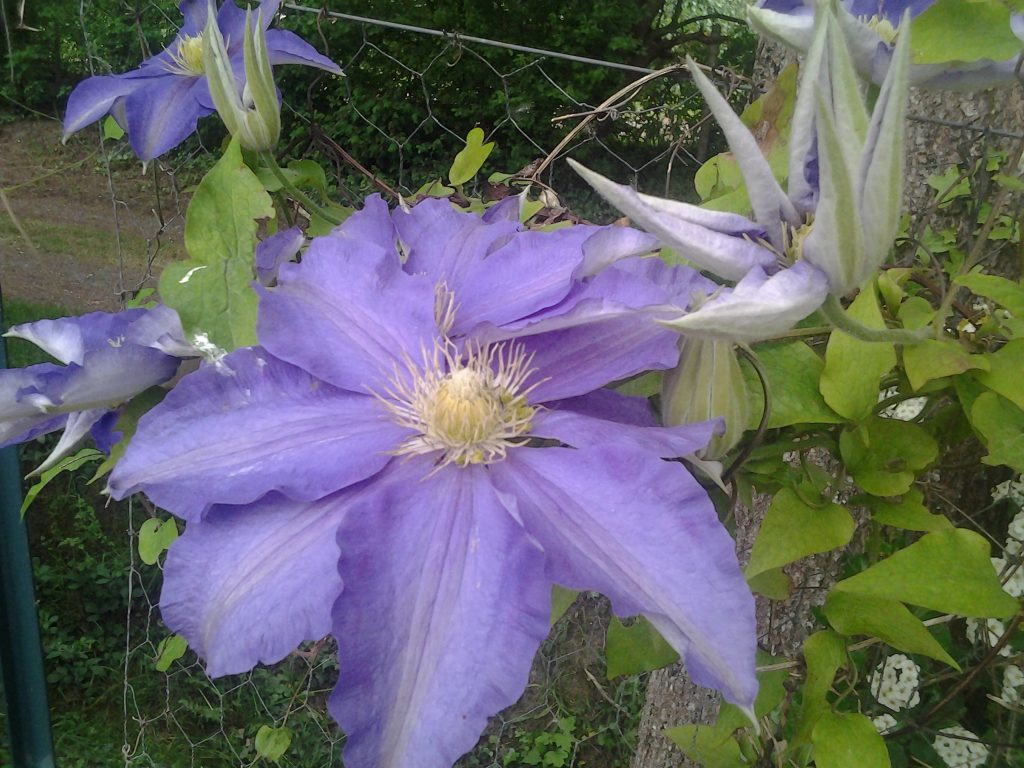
[(707, 384), (254, 115)]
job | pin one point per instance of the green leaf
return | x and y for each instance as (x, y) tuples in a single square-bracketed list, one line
[(168, 651), (908, 513), (888, 620), (471, 158), (934, 359), (111, 130), (884, 455), (635, 649), (845, 739), (1006, 293), (951, 30), (773, 584), (824, 653), (212, 291), (1001, 426), (946, 571), (793, 370), (1004, 373), (155, 536), (561, 599), (853, 368), (318, 225), (707, 745), (67, 464), (299, 173), (793, 529), (272, 743)]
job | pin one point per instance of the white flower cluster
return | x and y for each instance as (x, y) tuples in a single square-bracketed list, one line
[(884, 723), (894, 683), (1013, 684), (905, 410), (995, 628), (1013, 490), (1015, 584), (952, 746), (1015, 535)]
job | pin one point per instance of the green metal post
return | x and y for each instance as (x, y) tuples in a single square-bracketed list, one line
[(21, 653)]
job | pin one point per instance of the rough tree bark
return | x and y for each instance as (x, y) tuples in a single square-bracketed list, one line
[(782, 627)]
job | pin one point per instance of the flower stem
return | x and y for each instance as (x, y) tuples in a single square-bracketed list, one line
[(835, 314), (298, 195)]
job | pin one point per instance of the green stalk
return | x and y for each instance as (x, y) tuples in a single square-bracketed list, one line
[(297, 194), (833, 311)]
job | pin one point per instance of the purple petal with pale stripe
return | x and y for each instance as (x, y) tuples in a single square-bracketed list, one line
[(722, 243), (162, 114), (23, 429), (69, 338), (230, 433), (94, 98), (247, 585), (442, 242), (284, 47), (78, 425), (347, 314), (444, 607), (611, 517), (759, 307)]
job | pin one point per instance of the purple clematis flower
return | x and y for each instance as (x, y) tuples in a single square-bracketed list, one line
[(871, 28), (825, 235), (159, 104), (382, 470), (107, 359)]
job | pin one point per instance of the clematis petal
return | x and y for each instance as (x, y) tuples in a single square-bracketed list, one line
[(770, 204), (232, 432), (162, 114), (27, 428), (160, 328), (441, 242), (759, 307), (275, 251), (721, 243), (881, 167), (577, 360), (69, 338), (286, 47), (194, 12), (94, 98), (372, 224), (645, 534), (347, 314), (606, 421), (249, 584), (77, 427), (444, 607)]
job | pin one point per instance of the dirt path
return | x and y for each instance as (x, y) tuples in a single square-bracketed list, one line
[(76, 254)]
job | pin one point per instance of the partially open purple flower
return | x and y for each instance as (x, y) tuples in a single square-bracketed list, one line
[(871, 28), (159, 104), (384, 470), (107, 359), (826, 234)]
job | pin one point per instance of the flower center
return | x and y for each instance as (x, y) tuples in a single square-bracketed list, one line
[(470, 406), (883, 28), (187, 59)]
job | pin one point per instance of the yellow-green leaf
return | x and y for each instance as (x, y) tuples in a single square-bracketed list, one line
[(636, 648), (933, 359), (471, 158), (168, 651), (793, 529), (846, 739), (946, 571), (889, 620), (853, 368), (908, 512)]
